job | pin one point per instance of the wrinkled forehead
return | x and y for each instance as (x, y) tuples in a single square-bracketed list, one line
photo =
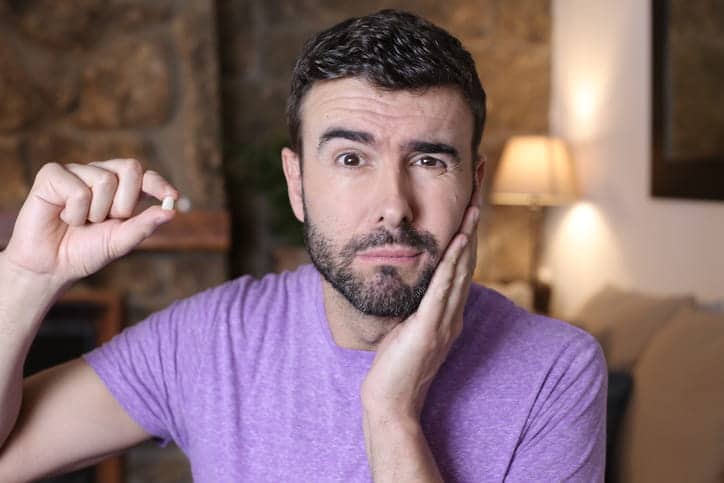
[(357, 104)]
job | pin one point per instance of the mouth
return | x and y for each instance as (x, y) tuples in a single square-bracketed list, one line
[(390, 255)]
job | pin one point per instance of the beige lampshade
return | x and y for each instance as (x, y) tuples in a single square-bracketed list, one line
[(534, 170)]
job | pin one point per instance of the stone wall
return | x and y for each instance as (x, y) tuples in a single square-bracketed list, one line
[(259, 41), (85, 80)]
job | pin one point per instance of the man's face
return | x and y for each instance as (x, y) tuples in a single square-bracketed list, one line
[(387, 176)]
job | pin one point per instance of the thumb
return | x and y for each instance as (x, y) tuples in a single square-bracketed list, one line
[(133, 231)]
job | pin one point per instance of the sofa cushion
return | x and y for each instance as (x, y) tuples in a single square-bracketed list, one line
[(674, 427), (624, 322)]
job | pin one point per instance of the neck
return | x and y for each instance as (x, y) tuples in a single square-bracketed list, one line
[(350, 328)]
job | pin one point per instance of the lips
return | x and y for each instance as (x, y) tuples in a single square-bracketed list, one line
[(390, 253)]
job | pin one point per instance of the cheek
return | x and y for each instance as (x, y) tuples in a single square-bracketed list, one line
[(332, 211), (443, 214)]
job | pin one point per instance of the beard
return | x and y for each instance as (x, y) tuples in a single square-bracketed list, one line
[(384, 294)]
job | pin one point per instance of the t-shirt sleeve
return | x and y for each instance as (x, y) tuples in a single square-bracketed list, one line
[(151, 367), (564, 438)]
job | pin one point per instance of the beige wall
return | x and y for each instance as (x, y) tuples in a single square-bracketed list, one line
[(600, 102)]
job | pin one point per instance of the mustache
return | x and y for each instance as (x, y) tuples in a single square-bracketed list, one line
[(406, 235)]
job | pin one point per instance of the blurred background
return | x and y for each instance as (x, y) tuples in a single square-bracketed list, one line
[(196, 90)]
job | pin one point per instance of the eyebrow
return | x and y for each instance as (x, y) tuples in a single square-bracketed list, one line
[(363, 137), (341, 133), (433, 148)]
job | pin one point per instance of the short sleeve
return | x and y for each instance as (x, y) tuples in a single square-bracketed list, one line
[(151, 367), (564, 438)]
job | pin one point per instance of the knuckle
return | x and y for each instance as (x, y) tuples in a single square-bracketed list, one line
[(48, 168), (133, 167), (108, 180), (82, 194)]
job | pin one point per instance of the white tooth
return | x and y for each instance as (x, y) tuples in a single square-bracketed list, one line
[(167, 203)]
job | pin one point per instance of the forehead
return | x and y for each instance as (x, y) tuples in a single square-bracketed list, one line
[(355, 103)]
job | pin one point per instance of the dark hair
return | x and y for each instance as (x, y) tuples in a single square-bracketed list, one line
[(393, 50)]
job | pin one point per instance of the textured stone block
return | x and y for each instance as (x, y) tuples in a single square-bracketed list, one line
[(254, 110), (126, 84), (19, 99), (520, 106), (195, 35), (59, 24), (528, 20), (279, 52), (503, 243), (132, 15), (61, 148), (14, 186), (470, 19), (238, 39), (81, 23)]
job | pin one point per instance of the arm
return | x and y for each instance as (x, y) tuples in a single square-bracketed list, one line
[(407, 360), (18, 324), (76, 219)]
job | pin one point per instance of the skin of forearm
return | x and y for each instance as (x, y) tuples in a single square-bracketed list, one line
[(24, 301), (397, 450)]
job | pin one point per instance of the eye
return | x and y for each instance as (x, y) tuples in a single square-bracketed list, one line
[(352, 160), (430, 162)]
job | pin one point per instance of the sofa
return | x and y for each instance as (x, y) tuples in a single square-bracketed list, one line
[(666, 386)]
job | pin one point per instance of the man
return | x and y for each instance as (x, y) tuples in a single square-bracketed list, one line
[(379, 362)]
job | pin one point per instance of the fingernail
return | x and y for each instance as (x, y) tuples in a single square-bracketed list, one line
[(167, 203)]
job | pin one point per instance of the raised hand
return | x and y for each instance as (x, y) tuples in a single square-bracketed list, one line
[(77, 218), (409, 357)]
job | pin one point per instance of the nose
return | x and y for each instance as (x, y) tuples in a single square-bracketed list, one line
[(393, 199)]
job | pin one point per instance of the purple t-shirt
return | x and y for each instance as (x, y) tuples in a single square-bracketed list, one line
[(249, 383)]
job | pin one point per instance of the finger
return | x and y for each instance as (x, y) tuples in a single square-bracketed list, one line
[(133, 231), (476, 199), (470, 229), (474, 246), (129, 173), (58, 187), (469, 224), (434, 303), (463, 269), (155, 185), (460, 286), (103, 184)]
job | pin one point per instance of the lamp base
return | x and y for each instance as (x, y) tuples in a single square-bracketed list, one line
[(541, 297)]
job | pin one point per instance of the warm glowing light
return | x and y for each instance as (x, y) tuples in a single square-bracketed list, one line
[(585, 102), (583, 224), (582, 246)]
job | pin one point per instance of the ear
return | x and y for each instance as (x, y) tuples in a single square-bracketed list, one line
[(478, 176), (293, 174)]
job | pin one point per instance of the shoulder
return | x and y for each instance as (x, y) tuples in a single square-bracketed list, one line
[(246, 293), (534, 340)]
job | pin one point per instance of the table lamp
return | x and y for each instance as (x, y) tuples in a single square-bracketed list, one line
[(535, 171)]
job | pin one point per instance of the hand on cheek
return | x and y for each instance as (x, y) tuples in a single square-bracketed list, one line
[(409, 357)]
